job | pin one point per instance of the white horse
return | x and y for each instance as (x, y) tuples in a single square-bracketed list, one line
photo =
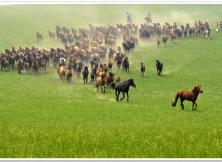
[(206, 33)]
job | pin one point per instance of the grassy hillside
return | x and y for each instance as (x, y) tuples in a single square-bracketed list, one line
[(44, 117)]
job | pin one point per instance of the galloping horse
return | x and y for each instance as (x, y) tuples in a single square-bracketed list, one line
[(173, 37), (124, 88), (39, 37), (35, 67), (164, 40), (159, 67), (125, 64), (110, 79), (4, 64), (62, 72), (206, 33), (93, 74), (52, 35), (69, 75), (101, 81), (142, 69), (85, 74), (189, 95), (20, 66)]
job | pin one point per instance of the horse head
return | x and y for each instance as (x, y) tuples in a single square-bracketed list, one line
[(198, 89), (132, 83)]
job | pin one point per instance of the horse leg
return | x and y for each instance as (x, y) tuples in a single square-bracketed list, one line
[(127, 95), (123, 96), (118, 95), (195, 105), (182, 106)]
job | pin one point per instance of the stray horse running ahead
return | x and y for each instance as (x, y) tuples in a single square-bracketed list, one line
[(124, 88), (190, 95), (159, 67)]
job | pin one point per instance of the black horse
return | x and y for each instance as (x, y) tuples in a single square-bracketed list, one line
[(144, 34), (85, 74), (93, 74), (159, 67), (125, 65), (79, 69), (118, 61), (35, 67), (128, 46), (164, 40), (123, 87)]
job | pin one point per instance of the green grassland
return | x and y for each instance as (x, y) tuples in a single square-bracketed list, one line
[(41, 116)]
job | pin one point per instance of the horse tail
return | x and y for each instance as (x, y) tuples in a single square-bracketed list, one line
[(176, 98)]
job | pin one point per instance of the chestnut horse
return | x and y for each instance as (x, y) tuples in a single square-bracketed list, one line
[(189, 95), (61, 72), (101, 81)]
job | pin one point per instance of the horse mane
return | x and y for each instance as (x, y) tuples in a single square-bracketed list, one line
[(195, 89), (128, 80)]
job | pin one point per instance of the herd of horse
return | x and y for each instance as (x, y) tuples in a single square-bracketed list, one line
[(93, 35), (26, 60), (86, 50)]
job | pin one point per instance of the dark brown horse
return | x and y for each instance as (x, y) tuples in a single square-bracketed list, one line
[(142, 69), (35, 67), (189, 95), (20, 66), (110, 79), (158, 42), (69, 75), (85, 74)]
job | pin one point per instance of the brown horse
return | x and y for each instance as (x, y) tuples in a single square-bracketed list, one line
[(69, 75), (39, 37), (20, 66), (62, 72), (101, 81), (158, 42), (52, 35), (189, 95), (172, 37), (110, 79), (110, 41)]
